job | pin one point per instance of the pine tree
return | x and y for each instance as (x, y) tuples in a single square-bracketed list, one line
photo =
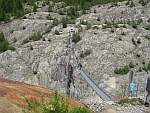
[(10, 8)]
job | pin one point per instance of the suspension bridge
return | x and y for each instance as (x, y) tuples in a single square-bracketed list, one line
[(85, 75)]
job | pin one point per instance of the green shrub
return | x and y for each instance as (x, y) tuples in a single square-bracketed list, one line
[(112, 30), (48, 29), (139, 21), (4, 44), (131, 65), (34, 8), (61, 12), (148, 20), (76, 38), (132, 4), (133, 24), (10, 8), (84, 22), (98, 18), (35, 36), (14, 8), (80, 110), (56, 104), (114, 4), (49, 17), (116, 25), (71, 21), (139, 41), (122, 71), (128, 3), (72, 12), (140, 69), (85, 53), (147, 27), (64, 22), (88, 25), (26, 41), (142, 2), (57, 32), (11, 48), (132, 101), (134, 42), (146, 67), (31, 48), (86, 4), (11, 31), (124, 26), (123, 33), (147, 37), (50, 8), (55, 22), (108, 25), (2, 38)]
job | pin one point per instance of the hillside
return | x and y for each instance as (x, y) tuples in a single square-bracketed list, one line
[(14, 96), (112, 39)]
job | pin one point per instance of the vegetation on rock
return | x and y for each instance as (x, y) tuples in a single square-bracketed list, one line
[(86, 4), (146, 67), (13, 8), (4, 44), (76, 38), (129, 101), (122, 71), (36, 36), (56, 104)]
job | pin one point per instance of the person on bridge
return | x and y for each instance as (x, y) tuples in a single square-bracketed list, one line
[(147, 102), (132, 88), (80, 66), (70, 79)]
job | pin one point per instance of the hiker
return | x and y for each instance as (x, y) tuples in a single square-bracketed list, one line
[(80, 66), (132, 88), (70, 79), (147, 102)]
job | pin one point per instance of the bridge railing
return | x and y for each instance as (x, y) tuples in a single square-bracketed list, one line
[(100, 92)]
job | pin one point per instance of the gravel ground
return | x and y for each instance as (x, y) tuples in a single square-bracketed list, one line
[(101, 107), (132, 109)]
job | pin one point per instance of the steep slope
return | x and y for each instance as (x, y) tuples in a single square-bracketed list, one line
[(14, 96)]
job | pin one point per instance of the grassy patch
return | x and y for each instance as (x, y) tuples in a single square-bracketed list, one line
[(122, 71), (4, 44), (85, 53), (76, 38), (132, 101), (35, 36), (147, 27), (56, 104), (147, 37), (86, 4), (146, 67), (64, 22), (15, 8)]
